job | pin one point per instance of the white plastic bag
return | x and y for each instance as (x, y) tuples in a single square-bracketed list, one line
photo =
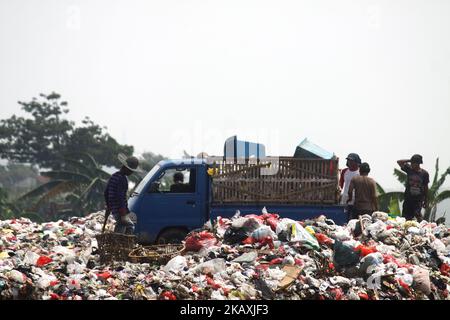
[(212, 266), (31, 258), (175, 265), (263, 232)]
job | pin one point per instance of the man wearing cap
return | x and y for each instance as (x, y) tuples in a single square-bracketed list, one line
[(347, 174), (364, 189), (116, 195), (416, 192)]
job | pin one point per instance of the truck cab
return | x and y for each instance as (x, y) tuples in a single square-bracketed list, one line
[(166, 207)]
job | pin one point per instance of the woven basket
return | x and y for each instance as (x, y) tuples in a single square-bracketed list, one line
[(115, 246), (160, 254)]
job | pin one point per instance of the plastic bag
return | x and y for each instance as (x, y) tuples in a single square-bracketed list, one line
[(323, 239), (176, 264), (234, 236), (365, 250), (17, 276), (43, 260), (299, 234), (197, 241), (422, 281), (263, 232), (211, 267), (31, 258), (344, 255)]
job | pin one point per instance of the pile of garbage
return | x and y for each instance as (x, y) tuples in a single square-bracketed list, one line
[(260, 256)]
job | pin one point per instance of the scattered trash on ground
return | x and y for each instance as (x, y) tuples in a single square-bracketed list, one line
[(245, 257)]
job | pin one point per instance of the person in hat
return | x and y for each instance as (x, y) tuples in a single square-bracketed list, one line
[(116, 195), (365, 193), (347, 174), (416, 192)]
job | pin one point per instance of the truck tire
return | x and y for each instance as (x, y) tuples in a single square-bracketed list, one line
[(171, 236)]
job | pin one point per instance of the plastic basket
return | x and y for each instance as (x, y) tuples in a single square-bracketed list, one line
[(160, 254)]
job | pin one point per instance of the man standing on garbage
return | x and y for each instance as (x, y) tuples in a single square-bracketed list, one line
[(116, 195), (364, 189), (416, 192), (352, 170)]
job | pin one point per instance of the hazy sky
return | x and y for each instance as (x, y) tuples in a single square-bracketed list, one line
[(371, 77)]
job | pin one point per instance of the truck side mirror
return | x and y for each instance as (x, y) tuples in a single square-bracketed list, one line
[(154, 187)]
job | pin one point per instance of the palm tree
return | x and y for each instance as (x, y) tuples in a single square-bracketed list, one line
[(80, 183), (435, 196)]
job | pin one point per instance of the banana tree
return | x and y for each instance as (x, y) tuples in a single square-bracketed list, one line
[(389, 201), (80, 182)]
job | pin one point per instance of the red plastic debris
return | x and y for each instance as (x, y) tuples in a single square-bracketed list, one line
[(69, 231), (298, 262), (404, 285), (167, 295), (365, 250), (388, 258), (445, 269), (54, 283), (43, 260), (363, 296), (323, 239), (104, 275), (267, 241), (262, 266), (54, 296), (197, 241), (338, 294), (276, 261), (211, 283), (248, 240)]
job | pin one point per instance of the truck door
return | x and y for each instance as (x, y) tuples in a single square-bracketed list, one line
[(172, 201)]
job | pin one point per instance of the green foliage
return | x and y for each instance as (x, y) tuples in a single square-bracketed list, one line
[(78, 186), (10, 210), (46, 136), (149, 160)]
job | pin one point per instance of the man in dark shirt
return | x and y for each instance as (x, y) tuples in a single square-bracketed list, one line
[(416, 193), (116, 195)]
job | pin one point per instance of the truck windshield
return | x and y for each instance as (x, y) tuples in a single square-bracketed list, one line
[(144, 181)]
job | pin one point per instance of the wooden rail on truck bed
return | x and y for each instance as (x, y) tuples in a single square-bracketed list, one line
[(293, 181)]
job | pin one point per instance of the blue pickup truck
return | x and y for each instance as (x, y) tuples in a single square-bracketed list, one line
[(177, 196)]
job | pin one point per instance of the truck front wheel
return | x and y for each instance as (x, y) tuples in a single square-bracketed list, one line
[(172, 236)]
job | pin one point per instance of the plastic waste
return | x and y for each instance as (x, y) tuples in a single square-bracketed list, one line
[(197, 241), (176, 264), (17, 276), (344, 255), (422, 280), (247, 257), (263, 232), (30, 258), (211, 267)]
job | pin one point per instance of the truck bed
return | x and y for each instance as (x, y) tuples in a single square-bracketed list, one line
[(296, 212)]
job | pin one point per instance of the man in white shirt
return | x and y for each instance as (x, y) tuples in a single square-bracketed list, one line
[(347, 174)]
